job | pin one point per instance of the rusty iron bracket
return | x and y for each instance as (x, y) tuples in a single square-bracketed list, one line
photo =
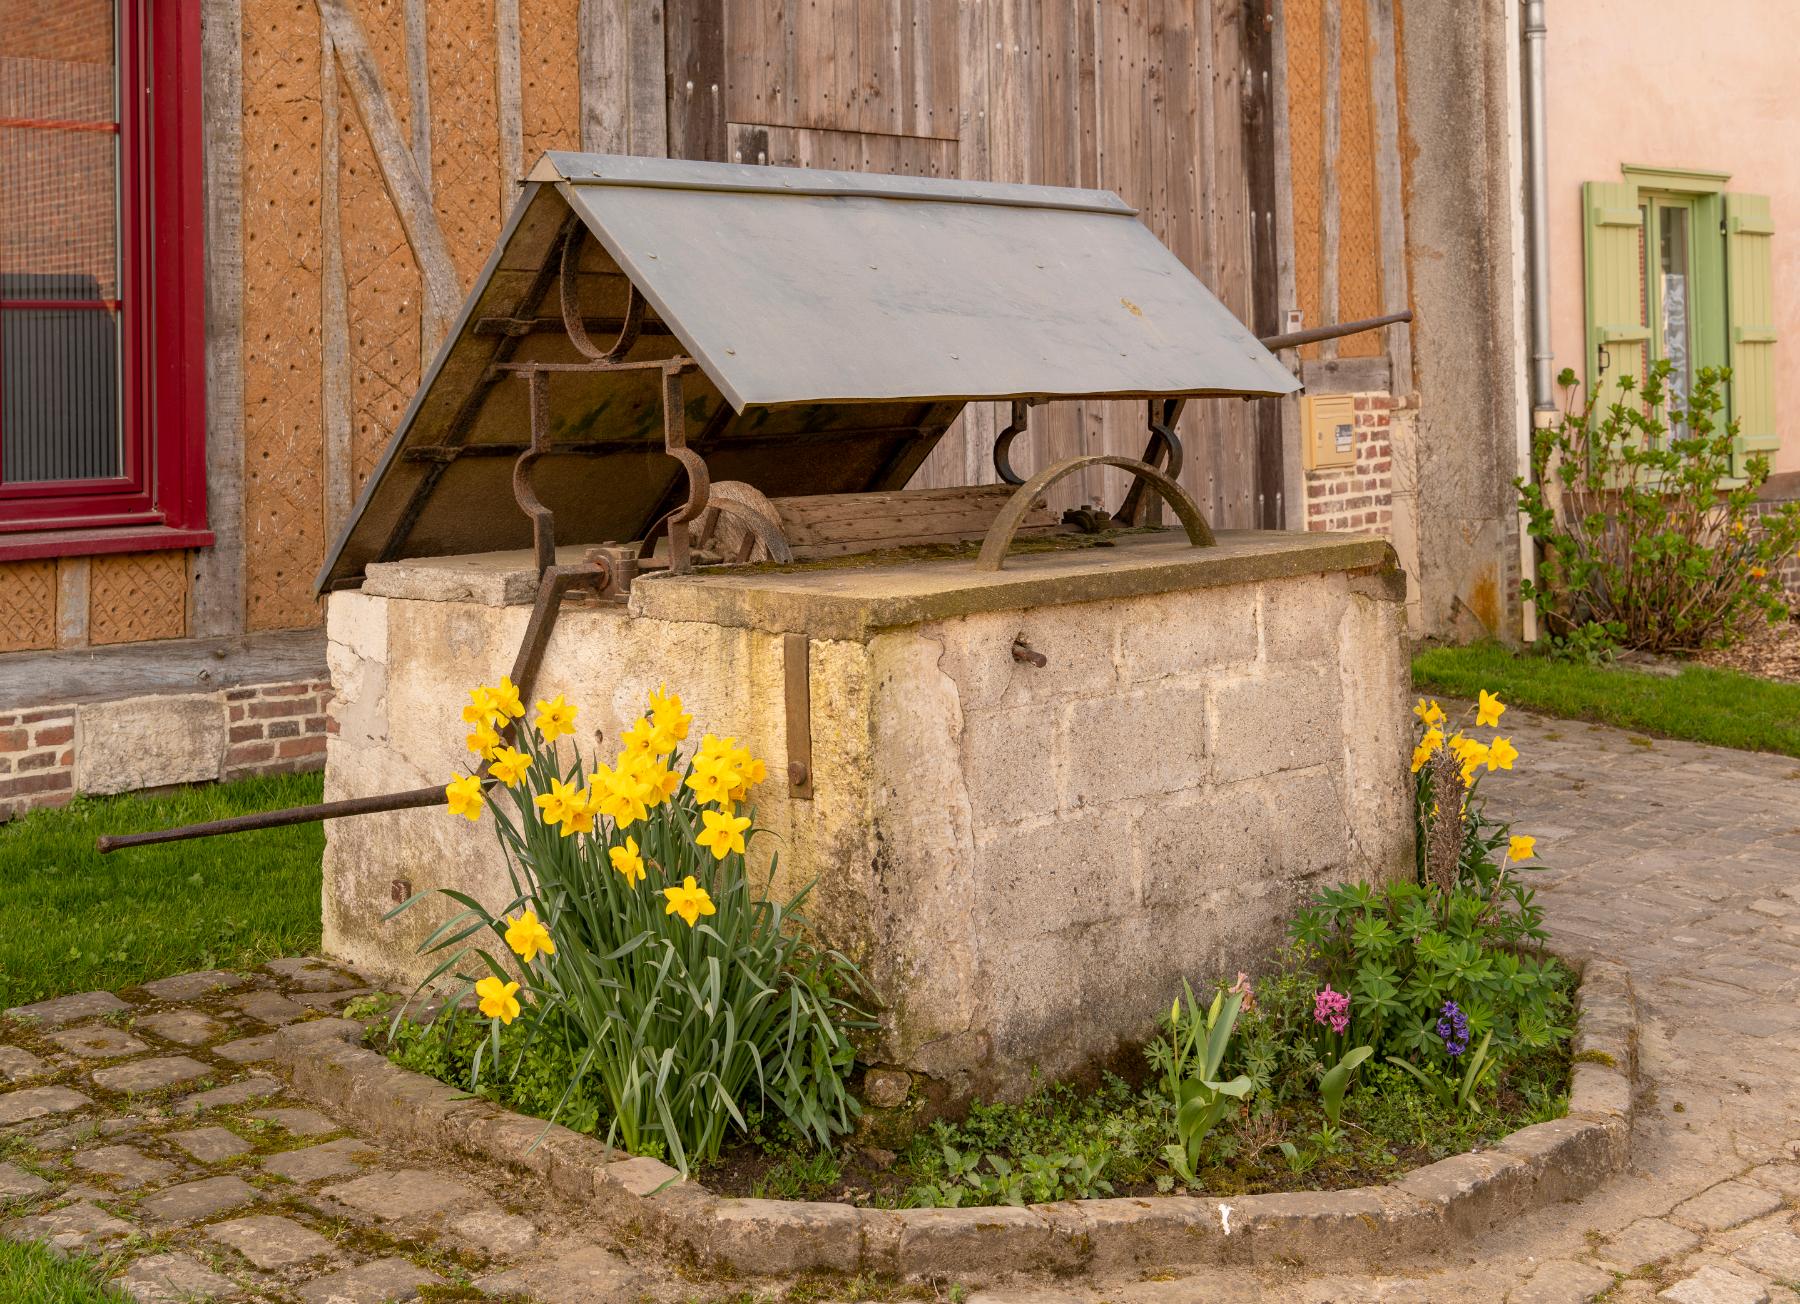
[(1006, 524), (1137, 508), (681, 558), (555, 583), (1003, 442), (796, 651), (574, 323)]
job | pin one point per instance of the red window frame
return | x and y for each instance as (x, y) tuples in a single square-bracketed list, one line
[(160, 500)]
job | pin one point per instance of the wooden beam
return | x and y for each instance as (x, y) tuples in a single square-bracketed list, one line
[(1293, 476), (334, 312), (601, 57), (418, 89), (217, 582), (647, 94), (507, 93), (1330, 55), (1265, 279), (1384, 88), (399, 173)]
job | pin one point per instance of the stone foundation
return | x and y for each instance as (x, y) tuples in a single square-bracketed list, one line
[(1025, 861)]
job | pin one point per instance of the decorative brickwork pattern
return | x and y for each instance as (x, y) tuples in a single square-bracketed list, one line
[(27, 605), (549, 98), (136, 596), (1360, 496), (273, 729), (283, 495)]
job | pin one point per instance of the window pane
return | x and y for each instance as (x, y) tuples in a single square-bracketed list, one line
[(59, 242), (1673, 295)]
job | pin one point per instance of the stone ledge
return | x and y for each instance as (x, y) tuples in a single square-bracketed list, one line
[(1464, 1195)]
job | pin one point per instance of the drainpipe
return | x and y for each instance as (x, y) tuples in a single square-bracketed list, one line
[(1537, 206), (1537, 237)]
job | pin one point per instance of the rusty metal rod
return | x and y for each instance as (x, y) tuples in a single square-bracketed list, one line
[(273, 819), (1294, 339)]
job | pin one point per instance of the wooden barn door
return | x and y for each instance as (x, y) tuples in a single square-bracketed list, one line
[(1162, 101)]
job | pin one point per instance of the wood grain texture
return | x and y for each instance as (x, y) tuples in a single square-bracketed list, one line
[(400, 174), (1330, 134), (509, 119), (1384, 81), (334, 311), (696, 64), (418, 88), (217, 576)]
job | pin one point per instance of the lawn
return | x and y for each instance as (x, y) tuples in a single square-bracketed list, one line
[(1705, 705), (77, 920), (33, 1276)]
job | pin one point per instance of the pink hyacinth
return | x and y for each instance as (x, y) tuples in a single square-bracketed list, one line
[(1331, 1007)]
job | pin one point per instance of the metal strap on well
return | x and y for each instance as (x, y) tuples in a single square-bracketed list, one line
[(1000, 533)]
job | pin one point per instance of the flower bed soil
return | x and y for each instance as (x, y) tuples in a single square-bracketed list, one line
[(1466, 1194)]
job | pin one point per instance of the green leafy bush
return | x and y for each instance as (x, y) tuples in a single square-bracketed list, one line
[(1646, 541)]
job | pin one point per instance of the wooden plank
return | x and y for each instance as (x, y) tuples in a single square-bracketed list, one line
[(1265, 278), (399, 173), (833, 525), (696, 62), (217, 584), (1293, 476), (601, 54), (508, 90), (647, 107), (1347, 375), (972, 160), (1330, 56), (334, 311), (1384, 95)]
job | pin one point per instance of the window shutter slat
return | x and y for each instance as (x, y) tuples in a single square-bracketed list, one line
[(1618, 337), (1750, 309)]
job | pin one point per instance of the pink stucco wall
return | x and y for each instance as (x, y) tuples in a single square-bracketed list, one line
[(1667, 83)]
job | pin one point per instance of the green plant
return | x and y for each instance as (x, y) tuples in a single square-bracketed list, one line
[(1189, 1060), (1337, 1079), (1454, 1094), (667, 987), (1646, 540)]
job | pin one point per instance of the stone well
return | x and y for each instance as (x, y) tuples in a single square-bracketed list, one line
[(1025, 860)]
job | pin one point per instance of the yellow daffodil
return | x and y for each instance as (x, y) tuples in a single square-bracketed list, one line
[(555, 803), (1474, 756), (1488, 710), (555, 718), (621, 793), (712, 780), (509, 764), (640, 739), (724, 832), (1521, 847), (504, 698), (1429, 712), (497, 999), (484, 742), (1501, 754), (528, 937), (578, 816), (628, 862), (481, 709), (671, 721), (1420, 755), (464, 796), (689, 901)]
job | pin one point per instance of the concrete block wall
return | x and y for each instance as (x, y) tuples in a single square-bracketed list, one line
[(49, 754)]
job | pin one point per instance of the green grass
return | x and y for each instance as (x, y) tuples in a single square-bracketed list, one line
[(1722, 707), (33, 1276), (77, 920)]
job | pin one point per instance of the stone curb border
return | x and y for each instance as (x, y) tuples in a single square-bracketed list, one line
[(1457, 1197)]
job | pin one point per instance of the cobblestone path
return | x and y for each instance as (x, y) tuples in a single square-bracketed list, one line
[(138, 1125)]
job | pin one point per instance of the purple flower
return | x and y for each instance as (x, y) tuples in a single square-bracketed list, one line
[(1453, 1027), (1332, 1008)]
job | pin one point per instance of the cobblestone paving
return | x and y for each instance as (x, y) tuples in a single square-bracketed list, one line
[(137, 1125), (138, 1128)]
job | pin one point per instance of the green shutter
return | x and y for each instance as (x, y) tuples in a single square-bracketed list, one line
[(1613, 245), (1750, 322)]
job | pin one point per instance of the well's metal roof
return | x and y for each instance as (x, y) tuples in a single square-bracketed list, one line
[(852, 312)]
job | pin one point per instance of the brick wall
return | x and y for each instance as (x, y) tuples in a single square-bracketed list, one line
[(1359, 496), (49, 754)]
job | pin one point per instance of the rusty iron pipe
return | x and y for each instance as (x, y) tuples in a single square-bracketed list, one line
[(1294, 339), (274, 819)]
